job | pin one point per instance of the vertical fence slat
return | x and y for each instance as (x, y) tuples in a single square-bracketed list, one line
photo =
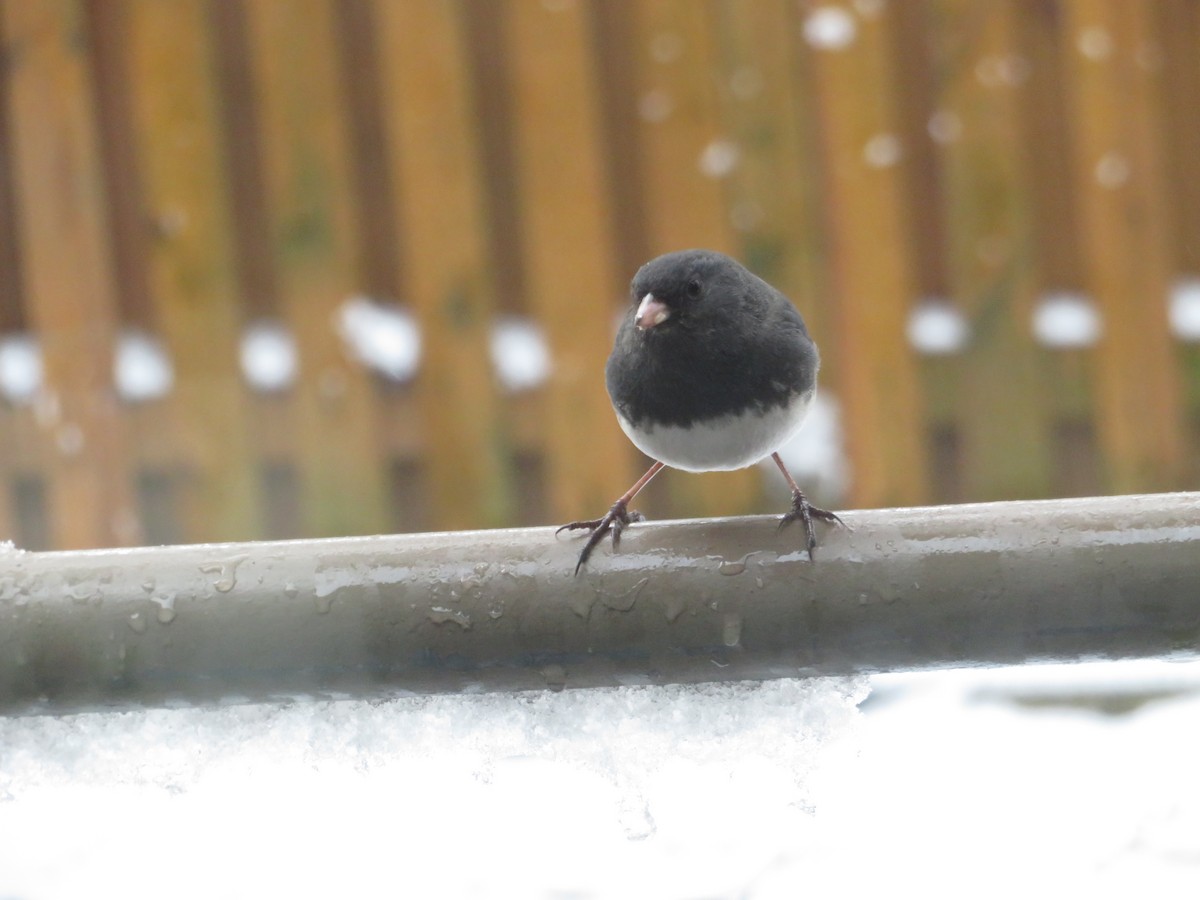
[(191, 274), (684, 156), (9, 472), (1068, 392), (1177, 36), (68, 284), (1178, 29), (127, 233), (773, 193), (1119, 164), (12, 318), (871, 270), (308, 190), (566, 219), (992, 262), (435, 170), (774, 198), (918, 38)]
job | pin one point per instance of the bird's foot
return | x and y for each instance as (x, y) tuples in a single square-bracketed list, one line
[(806, 512), (613, 521)]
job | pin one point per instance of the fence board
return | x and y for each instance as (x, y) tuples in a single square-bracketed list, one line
[(920, 57), (12, 317), (685, 155), (434, 165), (566, 218), (68, 285), (1119, 164), (191, 271), (1176, 37), (773, 195), (1054, 232), (12, 320), (773, 198), (992, 262), (865, 221), (1178, 30), (10, 522), (308, 198)]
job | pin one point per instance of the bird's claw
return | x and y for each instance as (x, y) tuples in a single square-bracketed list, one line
[(806, 512), (614, 521)]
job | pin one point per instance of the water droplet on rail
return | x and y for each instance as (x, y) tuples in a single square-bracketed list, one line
[(138, 623), (673, 607), (582, 604), (226, 573), (731, 632), (323, 603), (734, 566), (9, 590), (440, 615), (556, 676), (81, 593), (166, 607), (624, 602)]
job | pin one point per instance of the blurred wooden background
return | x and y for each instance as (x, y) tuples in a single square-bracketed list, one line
[(989, 212)]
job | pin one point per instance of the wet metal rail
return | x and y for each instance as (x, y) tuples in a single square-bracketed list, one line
[(708, 600)]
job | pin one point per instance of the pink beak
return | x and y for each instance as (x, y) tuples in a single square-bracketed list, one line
[(650, 312)]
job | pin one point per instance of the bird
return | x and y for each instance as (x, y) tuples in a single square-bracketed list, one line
[(712, 369)]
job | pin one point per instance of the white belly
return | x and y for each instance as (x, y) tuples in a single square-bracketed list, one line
[(724, 443)]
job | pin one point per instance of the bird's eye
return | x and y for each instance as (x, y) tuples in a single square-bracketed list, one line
[(693, 288)]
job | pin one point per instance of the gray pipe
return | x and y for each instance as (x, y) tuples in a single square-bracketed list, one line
[(709, 600)]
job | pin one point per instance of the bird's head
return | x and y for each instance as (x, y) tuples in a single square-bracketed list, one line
[(676, 289)]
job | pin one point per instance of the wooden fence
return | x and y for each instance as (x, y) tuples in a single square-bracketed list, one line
[(185, 169)]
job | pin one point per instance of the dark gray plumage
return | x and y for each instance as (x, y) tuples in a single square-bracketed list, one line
[(712, 369)]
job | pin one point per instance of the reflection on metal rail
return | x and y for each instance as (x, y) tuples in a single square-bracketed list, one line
[(681, 602)]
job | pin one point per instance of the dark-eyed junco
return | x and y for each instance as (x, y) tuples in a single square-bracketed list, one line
[(712, 370)]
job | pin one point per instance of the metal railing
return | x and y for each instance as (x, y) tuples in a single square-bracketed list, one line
[(685, 601)]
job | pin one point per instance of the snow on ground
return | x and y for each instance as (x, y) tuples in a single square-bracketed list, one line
[(1007, 782)]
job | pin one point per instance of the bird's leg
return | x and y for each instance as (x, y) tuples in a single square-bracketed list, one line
[(615, 520), (803, 510)]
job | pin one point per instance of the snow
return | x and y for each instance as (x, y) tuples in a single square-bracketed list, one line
[(1184, 309), (830, 27), (937, 328), (719, 158), (979, 783), (629, 791), (382, 336), (520, 353), (1112, 170), (945, 126), (1095, 43), (269, 356), (21, 370), (1067, 320), (656, 105), (883, 150), (142, 369)]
